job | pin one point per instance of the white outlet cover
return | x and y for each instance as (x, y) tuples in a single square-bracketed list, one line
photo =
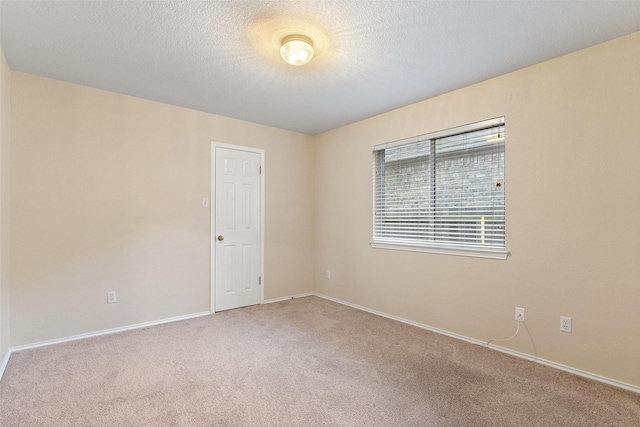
[(565, 324)]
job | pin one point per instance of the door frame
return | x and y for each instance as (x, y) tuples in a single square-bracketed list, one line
[(212, 233)]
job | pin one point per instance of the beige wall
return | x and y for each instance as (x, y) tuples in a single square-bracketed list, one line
[(572, 204), (5, 135), (106, 194)]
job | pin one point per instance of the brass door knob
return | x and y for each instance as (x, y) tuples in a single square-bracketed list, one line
[(220, 237)]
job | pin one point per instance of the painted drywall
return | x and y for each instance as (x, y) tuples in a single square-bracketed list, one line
[(106, 194), (5, 145), (572, 206)]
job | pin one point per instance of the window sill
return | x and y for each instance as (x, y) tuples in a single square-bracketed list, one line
[(442, 249)]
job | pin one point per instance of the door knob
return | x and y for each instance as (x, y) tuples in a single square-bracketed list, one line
[(220, 237)]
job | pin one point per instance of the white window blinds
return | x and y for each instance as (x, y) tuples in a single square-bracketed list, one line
[(445, 188)]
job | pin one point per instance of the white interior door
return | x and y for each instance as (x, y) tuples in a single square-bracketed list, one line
[(237, 241)]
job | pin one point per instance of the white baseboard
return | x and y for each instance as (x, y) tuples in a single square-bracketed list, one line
[(125, 328), (3, 366), (545, 362), (272, 300), (11, 350), (107, 331), (575, 371)]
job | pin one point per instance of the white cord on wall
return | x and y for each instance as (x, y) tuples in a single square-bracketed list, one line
[(506, 339)]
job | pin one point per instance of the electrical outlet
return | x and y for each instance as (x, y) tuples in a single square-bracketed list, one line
[(520, 314), (111, 297), (565, 324), (327, 274)]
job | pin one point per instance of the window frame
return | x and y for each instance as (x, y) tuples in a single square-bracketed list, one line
[(432, 246)]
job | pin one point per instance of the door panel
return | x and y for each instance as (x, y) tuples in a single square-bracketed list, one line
[(237, 246)]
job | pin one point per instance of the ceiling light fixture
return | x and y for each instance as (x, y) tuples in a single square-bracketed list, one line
[(297, 49)]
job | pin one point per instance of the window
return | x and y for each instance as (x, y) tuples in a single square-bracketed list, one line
[(442, 192)]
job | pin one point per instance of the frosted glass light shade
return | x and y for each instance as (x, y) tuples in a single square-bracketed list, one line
[(296, 49)]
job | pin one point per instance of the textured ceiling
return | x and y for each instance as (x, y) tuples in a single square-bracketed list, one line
[(221, 56)]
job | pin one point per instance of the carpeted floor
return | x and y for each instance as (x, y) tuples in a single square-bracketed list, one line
[(303, 362)]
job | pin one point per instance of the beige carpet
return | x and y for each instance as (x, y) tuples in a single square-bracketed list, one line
[(303, 362)]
